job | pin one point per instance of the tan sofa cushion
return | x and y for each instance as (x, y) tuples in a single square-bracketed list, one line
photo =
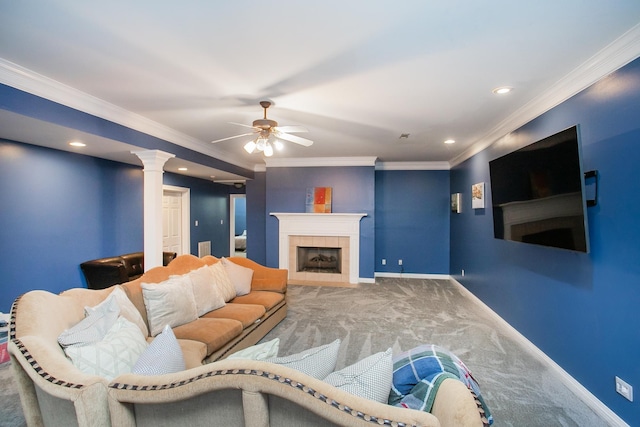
[(247, 314), (213, 332), (194, 352), (265, 298)]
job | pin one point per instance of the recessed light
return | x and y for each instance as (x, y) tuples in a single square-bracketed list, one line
[(450, 141), (502, 90), (77, 144), (182, 169)]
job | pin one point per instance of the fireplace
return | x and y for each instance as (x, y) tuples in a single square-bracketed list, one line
[(325, 230), (319, 259)]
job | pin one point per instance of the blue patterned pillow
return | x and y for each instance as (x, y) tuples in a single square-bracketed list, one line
[(369, 378), (92, 328), (317, 362), (163, 356)]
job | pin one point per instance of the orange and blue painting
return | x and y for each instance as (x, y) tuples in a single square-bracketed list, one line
[(318, 200)]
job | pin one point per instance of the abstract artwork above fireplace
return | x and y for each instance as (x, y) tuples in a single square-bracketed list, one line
[(318, 200)]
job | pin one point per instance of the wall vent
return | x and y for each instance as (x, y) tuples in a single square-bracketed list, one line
[(204, 248)]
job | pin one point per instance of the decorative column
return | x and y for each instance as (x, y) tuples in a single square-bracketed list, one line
[(153, 162)]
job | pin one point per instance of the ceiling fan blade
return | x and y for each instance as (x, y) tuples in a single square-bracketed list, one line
[(243, 125), (232, 137), (291, 129), (293, 138)]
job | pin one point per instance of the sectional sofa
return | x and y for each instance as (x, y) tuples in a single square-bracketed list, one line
[(207, 390)]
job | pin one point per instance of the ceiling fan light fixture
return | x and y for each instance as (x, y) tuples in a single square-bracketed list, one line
[(278, 144), (268, 150), (250, 147), (261, 143)]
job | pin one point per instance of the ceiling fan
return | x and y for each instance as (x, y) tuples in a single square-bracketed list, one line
[(268, 134)]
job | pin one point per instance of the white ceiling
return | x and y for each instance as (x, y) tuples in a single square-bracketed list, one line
[(356, 74)]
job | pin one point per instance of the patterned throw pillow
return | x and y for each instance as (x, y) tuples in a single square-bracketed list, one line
[(163, 356), (92, 328), (223, 282), (369, 378), (169, 303), (317, 362), (114, 355), (260, 351), (127, 309), (240, 276)]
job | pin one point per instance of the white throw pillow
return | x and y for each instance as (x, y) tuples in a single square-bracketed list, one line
[(116, 354), (261, 351), (127, 309), (223, 282), (169, 303), (93, 327), (207, 295), (370, 378), (240, 276), (317, 362), (162, 356)]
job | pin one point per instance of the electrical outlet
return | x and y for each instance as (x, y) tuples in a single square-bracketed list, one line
[(399, 262), (624, 389), (384, 261)]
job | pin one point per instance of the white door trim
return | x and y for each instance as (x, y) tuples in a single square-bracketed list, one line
[(186, 215)]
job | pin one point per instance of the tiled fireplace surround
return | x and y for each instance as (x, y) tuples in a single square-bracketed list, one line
[(335, 230)]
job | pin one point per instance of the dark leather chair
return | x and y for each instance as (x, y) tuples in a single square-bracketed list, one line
[(105, 272)]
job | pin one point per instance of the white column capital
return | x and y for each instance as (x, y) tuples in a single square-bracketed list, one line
[(153, 160)]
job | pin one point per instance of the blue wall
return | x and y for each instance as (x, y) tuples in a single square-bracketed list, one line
[(353, 192), (412, 221), (580, 309), (209, 206), (257, 218), (59, 209)]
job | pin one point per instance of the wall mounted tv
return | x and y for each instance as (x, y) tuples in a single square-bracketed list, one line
[(538, 194)]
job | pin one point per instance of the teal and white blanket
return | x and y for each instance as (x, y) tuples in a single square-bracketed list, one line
[(418, 373)]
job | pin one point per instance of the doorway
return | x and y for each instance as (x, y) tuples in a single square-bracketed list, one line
[(238, 225), (176, 218)]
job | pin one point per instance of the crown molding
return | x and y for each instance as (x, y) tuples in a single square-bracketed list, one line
[(23, 79), (319, 161), (616, 55), (412, 166)]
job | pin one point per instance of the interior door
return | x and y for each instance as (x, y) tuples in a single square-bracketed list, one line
[(172, 221)]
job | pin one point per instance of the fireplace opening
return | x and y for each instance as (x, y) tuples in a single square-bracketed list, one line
[(319, 260)]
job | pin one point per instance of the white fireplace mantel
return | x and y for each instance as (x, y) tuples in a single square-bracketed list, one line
[(321, 224)]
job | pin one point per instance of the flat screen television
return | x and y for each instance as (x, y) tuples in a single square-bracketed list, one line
[(538, 194)]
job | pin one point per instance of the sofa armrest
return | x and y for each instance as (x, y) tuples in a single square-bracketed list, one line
[(264, 278), (455, 406), (258, 381)]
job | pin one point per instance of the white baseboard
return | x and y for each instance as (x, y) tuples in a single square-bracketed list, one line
[(578, 389), (412, 276)]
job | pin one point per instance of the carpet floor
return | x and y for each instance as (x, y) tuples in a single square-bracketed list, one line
[(402, 314)]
